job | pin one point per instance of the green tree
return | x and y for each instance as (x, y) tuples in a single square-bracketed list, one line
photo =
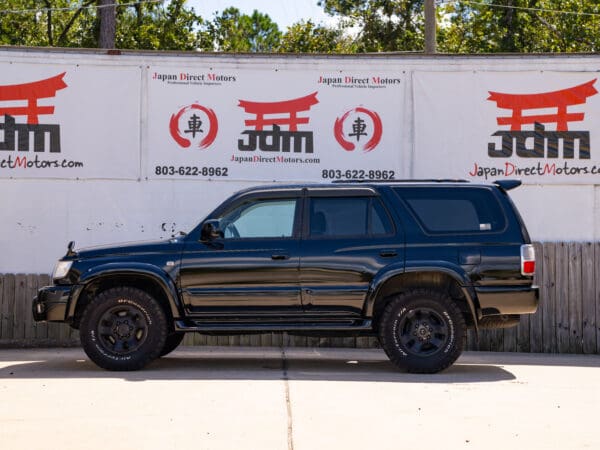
[(385, 25), (306, 37), (158, 26), (233, 31), (521, 26), (71, 23), (45, 23)]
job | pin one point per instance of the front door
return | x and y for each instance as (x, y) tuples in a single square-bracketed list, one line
[(252, 268)]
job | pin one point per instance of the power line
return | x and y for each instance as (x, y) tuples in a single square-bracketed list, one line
[(470, 2), (525, 8), (74, 8)]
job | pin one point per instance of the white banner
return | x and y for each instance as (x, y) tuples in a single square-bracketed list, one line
[(69, 121), (273, 124), (540, 127)]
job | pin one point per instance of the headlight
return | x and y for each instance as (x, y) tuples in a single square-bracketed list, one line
[(61, 269)]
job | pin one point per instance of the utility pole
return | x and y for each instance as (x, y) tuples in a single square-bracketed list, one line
[(430, 24), (107, 12)]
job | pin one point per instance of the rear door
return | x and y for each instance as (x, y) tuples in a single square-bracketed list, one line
[(348, 236)]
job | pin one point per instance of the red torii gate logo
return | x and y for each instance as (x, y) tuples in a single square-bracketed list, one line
[(275, 114), (541, 139), (16, 135)]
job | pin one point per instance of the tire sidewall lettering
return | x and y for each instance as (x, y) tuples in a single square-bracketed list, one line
[(452, 336), (138, 306), (395, 325)]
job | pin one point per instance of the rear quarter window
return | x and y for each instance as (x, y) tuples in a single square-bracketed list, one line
[(454, 210)]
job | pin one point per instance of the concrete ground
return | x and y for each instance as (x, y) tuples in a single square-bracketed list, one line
[(268, 398)]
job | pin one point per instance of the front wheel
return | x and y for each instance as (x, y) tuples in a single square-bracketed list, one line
[(123, 328), (172, 342), (422, 331)]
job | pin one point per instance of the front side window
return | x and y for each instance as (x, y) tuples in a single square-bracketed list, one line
[(260, 219), (348, 216)]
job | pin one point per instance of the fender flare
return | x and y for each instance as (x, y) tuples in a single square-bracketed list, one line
[(141, 270), (455, 272)]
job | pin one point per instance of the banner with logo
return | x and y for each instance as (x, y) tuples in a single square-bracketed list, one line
[(274, 124), (69, 121), (540, 127)]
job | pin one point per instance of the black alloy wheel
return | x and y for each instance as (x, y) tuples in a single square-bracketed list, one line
[(123, 328), (422, 331)]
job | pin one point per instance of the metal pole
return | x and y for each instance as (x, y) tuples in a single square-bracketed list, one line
[(430, 24)]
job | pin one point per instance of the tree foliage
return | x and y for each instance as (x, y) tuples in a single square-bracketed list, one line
[(464, 26), (385, 25), (72, 23), (306, 37), (233, 31), (522, 26), (157, 26)]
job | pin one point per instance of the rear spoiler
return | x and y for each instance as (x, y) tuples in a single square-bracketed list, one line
[(507, 185)]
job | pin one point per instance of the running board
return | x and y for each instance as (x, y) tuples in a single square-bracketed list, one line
[(203, 326)]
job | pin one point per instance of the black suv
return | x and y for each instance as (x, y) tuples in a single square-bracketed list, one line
[(416, 263)]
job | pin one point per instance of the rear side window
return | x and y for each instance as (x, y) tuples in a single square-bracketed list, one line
[(348, 216), (455, 210)]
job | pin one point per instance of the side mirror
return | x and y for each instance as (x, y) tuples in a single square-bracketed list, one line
[(210, 230)]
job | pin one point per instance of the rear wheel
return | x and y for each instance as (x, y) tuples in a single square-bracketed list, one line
[(422, 331), (123, 328)]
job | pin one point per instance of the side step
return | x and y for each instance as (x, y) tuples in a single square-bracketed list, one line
[(267, 327)]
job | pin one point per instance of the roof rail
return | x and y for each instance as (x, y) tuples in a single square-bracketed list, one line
[(432, 180)]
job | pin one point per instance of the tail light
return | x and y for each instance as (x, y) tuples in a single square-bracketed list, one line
[(527, 259)]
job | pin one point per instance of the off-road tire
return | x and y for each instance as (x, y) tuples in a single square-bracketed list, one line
[(123, 328), (172, 342), (422, 331)]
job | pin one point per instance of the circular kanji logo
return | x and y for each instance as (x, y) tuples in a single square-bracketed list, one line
[(358, 128), (194, 123)]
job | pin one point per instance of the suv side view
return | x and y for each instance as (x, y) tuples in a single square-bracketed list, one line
[(416, 263)]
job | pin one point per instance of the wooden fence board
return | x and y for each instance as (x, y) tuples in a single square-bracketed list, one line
[(588, 264), (597, 294), (234, 341), (548, 298), (523, 336), (1, 303), (562, 298), (510, 339), (575, 306), (31, 284), (8, 307), (536, 326), (19, 311), (41, 332)]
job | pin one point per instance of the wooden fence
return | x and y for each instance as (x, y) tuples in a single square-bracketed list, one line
[(567, 321)]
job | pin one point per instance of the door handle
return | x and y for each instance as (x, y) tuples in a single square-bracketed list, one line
[(279, 256), (388, 253)]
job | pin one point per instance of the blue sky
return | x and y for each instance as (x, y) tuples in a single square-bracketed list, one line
[(283, 12)]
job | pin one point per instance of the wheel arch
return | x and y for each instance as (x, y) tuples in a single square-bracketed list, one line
[(447, 279), (146, 277)]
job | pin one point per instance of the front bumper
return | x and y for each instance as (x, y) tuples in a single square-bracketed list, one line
[(51, 303), (507, 300)]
